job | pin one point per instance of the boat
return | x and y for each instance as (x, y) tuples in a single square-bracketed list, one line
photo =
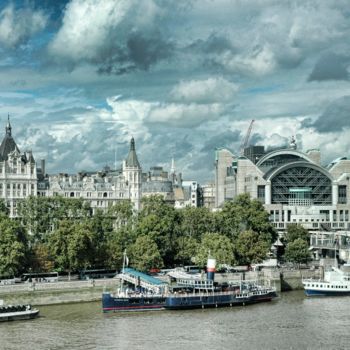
[(138, 292), (17, 312), (206, 294), (335, 282)]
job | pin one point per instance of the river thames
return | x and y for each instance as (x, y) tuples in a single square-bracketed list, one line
[(290, 322)]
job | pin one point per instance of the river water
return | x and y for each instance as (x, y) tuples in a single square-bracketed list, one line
[(291, 322)]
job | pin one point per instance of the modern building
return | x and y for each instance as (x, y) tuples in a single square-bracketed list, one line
[(293, 185)]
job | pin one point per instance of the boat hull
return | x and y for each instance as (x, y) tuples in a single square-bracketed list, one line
[(112, 303), (15, 316), (318, 292), (215, 300)]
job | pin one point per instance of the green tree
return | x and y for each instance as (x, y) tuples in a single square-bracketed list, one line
[(297, 251), (144, 254), (161, 222), (216, 245), (71, 246), (195, 222), (250, 248), (295, 231), (186, 249), (243, 214), (13, 247)]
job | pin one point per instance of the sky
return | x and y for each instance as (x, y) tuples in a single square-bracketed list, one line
[(79, 78)]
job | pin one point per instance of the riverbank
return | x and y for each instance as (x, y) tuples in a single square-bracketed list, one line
[(91, 290)]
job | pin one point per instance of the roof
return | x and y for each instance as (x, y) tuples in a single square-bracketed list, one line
[(143, 276), (131, 160), (8, 144)]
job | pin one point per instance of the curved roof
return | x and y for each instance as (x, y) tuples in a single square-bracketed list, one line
[(131, 160), (275, 172), (283, 152), (8, 144)]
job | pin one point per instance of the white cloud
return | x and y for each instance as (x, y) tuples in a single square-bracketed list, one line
[(210, 90), (18, 26)]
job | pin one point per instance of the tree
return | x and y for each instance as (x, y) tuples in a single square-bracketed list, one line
[(186, 249), (195, 222), (71, 246), (297, 251), (13, 251), (217, 246), (144, 254), (295, 231), (250, 248), (161, 222), (244, 214)]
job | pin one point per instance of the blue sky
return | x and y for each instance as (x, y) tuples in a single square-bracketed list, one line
[(79, 78)]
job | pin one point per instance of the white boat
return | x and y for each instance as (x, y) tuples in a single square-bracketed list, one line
[(17, 312), (335, 282)]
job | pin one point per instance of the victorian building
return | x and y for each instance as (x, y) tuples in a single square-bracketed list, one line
[(20, 177)]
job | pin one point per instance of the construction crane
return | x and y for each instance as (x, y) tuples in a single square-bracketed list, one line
[(245, 141)]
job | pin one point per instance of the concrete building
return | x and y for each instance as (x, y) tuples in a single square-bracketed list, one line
[(208, 192), (293, 185)]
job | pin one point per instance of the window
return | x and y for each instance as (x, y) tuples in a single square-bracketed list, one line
[(342, 194), (261, 193)]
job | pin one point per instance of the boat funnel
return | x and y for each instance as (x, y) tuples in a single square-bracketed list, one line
[(211, 264)]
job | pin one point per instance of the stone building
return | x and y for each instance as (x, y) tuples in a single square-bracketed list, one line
[(293, 185), (20, 178)]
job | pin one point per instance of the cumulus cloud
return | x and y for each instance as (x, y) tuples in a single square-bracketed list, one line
[(210, 90), (118, 36), (17, 26)]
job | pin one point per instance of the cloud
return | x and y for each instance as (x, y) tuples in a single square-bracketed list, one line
[(335, 117), (330, 67), (117, 36), (210, 90), (17, 26)]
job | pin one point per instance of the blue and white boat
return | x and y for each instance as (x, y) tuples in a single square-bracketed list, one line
[(336, 282), (138, 292)]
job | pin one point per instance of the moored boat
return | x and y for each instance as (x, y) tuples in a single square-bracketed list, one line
[(335, 282), (17, 312)]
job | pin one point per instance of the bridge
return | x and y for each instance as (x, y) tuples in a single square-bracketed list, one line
[(143, 280)]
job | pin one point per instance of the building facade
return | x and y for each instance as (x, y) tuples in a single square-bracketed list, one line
[(20, 178), (293, 186)]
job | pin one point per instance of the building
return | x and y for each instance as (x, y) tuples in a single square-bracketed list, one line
[(18, 172), (293, 186), (20, 178), (208, 192)]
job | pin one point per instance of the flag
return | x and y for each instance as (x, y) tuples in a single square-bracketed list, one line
[(126, 261)]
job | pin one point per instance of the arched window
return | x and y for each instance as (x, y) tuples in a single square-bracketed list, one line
[(301, 185)]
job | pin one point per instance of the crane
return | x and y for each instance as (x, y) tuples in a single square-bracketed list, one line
[(246, 138)]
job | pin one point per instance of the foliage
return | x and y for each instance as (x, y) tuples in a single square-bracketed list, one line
[(41, 259), (297, 251), (250, 248), (71, 246), (144, 254), (186, 249), (13, 247), (295, 231), (244, 214), (161, 222), (217, 246), (40, 215)]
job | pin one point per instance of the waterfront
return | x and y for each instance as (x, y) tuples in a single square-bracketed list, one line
[(291, 322)]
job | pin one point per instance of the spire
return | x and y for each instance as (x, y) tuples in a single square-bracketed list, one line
[(131, 160), (8, 126), (172, 169)]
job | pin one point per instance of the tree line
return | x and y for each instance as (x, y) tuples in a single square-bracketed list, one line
[(62, 234)]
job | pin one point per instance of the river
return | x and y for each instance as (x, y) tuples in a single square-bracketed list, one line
[(291, 322)]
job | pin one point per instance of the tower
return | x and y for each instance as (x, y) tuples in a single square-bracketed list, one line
[(132, 174)]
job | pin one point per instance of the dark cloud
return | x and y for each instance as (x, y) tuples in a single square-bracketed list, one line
[(215, 43), (330, 67), (335, 117), (224, 139)]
